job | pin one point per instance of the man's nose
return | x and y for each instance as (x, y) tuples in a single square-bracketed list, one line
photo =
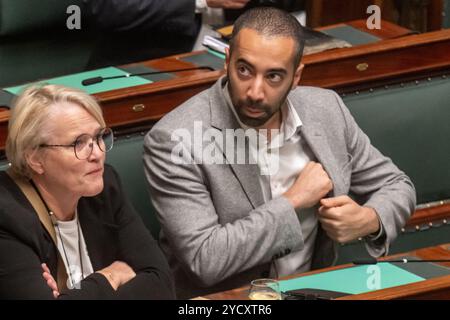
[(256, 90)]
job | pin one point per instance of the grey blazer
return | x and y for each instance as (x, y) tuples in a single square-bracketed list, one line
[(217, 232)]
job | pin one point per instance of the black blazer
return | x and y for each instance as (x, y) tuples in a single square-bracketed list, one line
[(112, 231)]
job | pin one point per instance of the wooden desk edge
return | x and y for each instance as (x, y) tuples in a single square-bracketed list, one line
[(377, 47), (390, 293), (388, 29)]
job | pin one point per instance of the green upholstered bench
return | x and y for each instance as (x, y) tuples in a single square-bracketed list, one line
[(409, 122), (126, 158)]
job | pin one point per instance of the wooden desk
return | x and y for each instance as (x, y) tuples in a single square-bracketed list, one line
[(377, 64), (435, 288)]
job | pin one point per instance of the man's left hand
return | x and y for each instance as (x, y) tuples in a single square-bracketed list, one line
[(345, 220)]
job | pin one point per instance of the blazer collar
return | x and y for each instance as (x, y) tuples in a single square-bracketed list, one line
[(315, 136), (221, 115), (222, 118)]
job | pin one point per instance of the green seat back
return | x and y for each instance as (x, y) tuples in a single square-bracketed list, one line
[(126, 158), (446, 15), (35, 43), (406, 242), (410, 124), (41, 57), (24, 16)]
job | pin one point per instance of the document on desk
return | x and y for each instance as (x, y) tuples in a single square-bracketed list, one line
[(354, 280), (215, 44), (74, 81)]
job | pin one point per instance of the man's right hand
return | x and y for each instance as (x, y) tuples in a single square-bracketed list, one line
[(312, 184), (118, 273)]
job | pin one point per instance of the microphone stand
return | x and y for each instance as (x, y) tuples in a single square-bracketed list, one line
[(375, 261), (95, 80)]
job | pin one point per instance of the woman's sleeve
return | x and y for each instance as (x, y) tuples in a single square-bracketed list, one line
[(21, 275)]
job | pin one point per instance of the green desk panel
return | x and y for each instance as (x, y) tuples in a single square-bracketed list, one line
[(354, 280), (74, 81), (351, 35)]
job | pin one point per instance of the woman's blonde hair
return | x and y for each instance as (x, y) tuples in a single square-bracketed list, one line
[(27, 122)]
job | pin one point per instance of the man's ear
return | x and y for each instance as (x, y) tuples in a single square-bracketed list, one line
[(227, 59), (297, 75), (34, 160)]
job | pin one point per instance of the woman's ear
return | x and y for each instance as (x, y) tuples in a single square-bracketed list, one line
[(297, 76), (34, 160)]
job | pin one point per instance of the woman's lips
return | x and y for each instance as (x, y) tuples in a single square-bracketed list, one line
[(96, 171)]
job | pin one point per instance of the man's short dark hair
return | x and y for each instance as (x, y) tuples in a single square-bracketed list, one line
[(271, 22)]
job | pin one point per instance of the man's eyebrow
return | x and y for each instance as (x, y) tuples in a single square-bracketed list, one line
[(242, 60), (277, 70)]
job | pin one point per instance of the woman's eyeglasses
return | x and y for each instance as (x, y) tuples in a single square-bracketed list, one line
[(84, 144)]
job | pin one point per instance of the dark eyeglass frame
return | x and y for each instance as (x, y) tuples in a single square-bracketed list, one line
[(95, 138)]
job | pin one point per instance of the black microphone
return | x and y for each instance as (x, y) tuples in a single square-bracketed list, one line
[(95, 80), (375, 261)]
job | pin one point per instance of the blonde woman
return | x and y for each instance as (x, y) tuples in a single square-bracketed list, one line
[(66, 228)]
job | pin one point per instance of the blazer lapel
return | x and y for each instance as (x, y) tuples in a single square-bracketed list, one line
[(222, 118), (315, 137), (248, 174)]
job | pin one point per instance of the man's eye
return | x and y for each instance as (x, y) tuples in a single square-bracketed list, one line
[(243, 70), (274, 77)]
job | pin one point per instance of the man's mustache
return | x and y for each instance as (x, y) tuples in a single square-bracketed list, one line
[(254, 105)]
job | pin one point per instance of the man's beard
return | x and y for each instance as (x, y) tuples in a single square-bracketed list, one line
[(240, 105), (268, 112)]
